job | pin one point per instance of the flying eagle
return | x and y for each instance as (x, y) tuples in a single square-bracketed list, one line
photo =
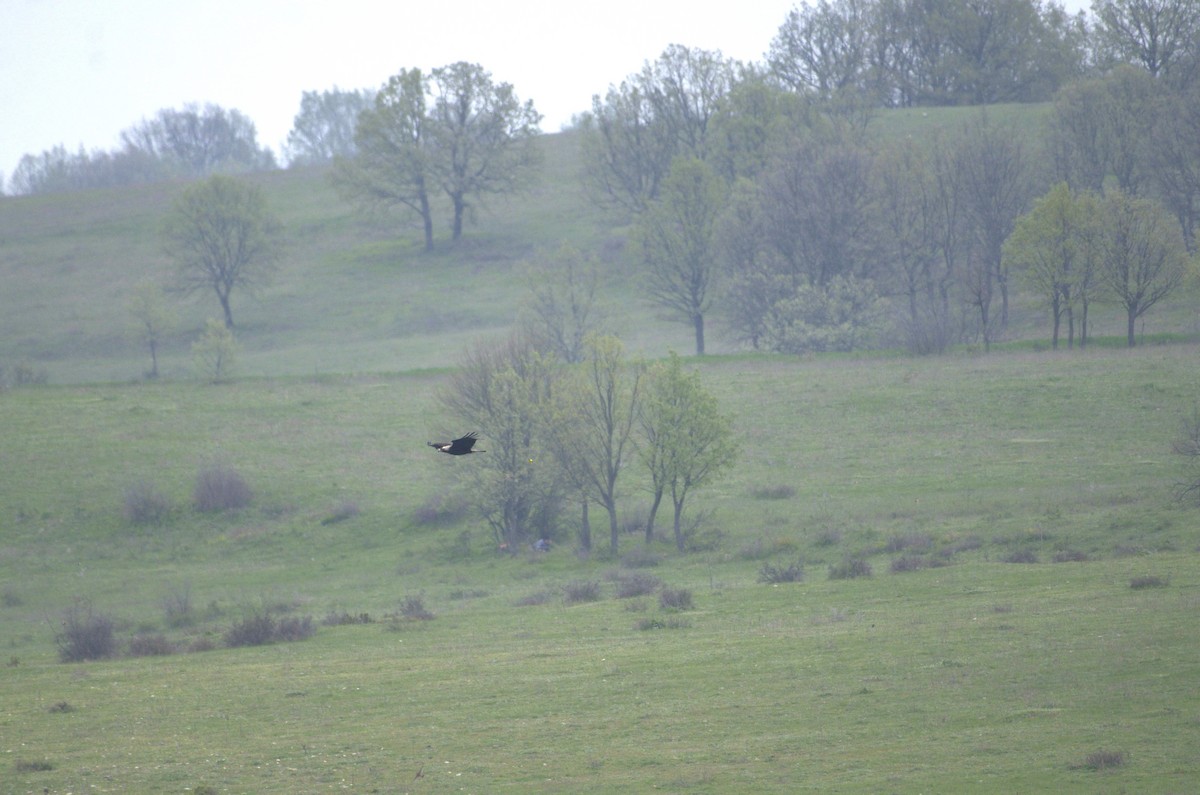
[(460, 446)]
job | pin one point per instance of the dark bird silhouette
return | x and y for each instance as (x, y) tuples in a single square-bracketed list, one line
[(460, 446)]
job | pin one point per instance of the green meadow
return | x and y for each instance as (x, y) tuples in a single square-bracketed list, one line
[(999, 588)]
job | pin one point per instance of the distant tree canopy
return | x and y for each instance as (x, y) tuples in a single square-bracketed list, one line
[(324, 126), (192, 142), (453, 131)]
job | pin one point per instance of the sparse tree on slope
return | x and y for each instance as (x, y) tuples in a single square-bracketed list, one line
[(686, 440), (222, 237)]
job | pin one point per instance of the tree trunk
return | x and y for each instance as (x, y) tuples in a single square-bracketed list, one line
[(698, 324), (679, 525), (426, 219), (1131, 328), (224, 298), (153, 358), (585, 530), (658, 495), (613, 530), (460, 208)]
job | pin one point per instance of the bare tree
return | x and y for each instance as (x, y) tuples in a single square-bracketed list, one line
[(201, 140), (222, 237), (562, 306), (1156, 34), (996, 183), (676, 235), (592, 426), (152, 319)]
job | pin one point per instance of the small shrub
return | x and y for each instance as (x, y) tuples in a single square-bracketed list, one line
[(1148, 581), (1104, 759), (675, 599), (578, 591), (85, 634), (414, 609), (10, 598), (906, 563), (636, 584), (341, 512), (220, 488), (646, 624), (146, 505), (204, 789), (850, 568), (202, 644), (256, 629), (440, 509), (1021, 556), (334, 619), (294, 628), (641, 557), (536, 598), (1070, 556), (150, 645), (779, 491), (177, 606), (770, 573), (32, 766), (60, 707), (215, 352), (918, 542)]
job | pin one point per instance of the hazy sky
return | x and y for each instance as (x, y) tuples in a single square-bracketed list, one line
[(78, 72)]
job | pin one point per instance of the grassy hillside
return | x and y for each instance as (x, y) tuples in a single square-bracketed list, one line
[(1023, 619), (351, 295), (1025, 491)]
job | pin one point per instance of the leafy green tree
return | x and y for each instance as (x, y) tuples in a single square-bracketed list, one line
[(591, 428), (152, 319), (215, 353), (506, 389), (484, 138), (1051, 248), (687, 441), (676, 239), (392, 167), (324, 126), (1142, 257), (222, 237)]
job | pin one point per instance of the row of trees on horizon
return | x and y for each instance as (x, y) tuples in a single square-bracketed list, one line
[(852, 53)]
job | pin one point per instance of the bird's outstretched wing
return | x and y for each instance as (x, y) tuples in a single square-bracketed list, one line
[(463, 444)]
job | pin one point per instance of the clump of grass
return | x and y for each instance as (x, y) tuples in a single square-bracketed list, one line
[(220, 487), (772, 574), (440, 509), (1148, 581), (85, 634), (10, 598), (294, 628), (1070, 556), (1104, 759), (177, 606), (918, 542), (341, 512), (850, 568), (630, 584), (1021, 556), (61, 707), (645, 624), (577, 591), (144, 504), (778, 491), (414, 609), (675, 599)]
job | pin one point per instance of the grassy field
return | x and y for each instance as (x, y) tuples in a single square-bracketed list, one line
[(970, 673), (1028, 623)]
